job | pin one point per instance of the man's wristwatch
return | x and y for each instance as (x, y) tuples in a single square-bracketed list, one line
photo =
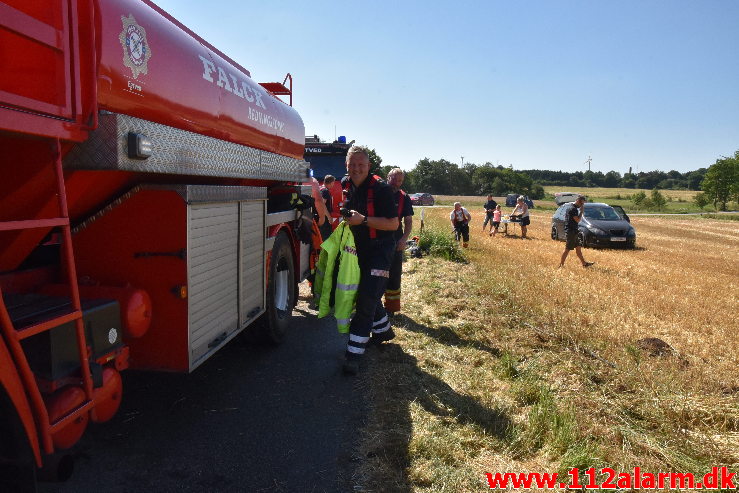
[(364, 221)]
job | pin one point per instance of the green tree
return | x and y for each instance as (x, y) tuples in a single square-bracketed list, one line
[(721, 183), (499, 187), (375, 162), (701, 200), (628, 181), (483, 180), (434, 176), (612, 179), (695, 178), (409, 181), (460, 181), (520, 183), (638, 199), (537, 192), (658, 200), (470, 169)]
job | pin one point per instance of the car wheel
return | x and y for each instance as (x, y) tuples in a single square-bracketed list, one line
[(554, 233), (582, 240)]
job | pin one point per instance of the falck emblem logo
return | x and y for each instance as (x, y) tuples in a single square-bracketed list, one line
[(136, 51)]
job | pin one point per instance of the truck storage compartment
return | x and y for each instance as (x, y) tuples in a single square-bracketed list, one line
[(198, 251), (53, 354)]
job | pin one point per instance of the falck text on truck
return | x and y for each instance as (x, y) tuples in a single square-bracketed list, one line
[(242, 90)]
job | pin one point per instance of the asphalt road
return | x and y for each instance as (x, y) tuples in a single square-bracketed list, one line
[(253, 418)]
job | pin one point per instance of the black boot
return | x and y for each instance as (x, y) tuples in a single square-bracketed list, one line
[(351, 364), (378, 338)]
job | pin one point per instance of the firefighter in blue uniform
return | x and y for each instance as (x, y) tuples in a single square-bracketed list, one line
[(373, 221), (404, 208)]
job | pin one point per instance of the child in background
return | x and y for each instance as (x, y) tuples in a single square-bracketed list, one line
[(496, 220)]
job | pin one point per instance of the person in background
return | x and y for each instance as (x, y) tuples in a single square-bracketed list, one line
[(337, 201), (496, 220), (460, 219), (489, 207), (326, 228), (572, 219), (405, 213), (320, 212), (523, 214), (373, 218)]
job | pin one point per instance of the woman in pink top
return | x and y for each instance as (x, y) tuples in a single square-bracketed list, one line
[(496, 220)]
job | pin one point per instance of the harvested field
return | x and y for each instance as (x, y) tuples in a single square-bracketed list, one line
[(600, 192), (678, 201), (507, 364)]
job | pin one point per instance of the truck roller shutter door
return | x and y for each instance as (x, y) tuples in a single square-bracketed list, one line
[(251, 246), (213, 276)]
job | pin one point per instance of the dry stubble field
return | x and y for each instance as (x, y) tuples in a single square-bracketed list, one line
[(506, 364)]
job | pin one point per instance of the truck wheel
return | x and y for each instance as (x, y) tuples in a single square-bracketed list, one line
[(17, 464), (280, 290)]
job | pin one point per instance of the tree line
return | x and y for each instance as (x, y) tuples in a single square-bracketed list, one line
[(719, 183), (446, 178), (670, 180)]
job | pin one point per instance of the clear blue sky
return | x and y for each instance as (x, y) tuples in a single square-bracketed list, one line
[(536, 84)]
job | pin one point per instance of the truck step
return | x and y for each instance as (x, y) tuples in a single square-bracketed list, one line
[(33, 223)]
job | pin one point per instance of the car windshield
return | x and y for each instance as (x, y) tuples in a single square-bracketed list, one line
[(601, 213)]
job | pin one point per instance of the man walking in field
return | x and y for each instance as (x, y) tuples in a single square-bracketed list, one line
[(572, 218)]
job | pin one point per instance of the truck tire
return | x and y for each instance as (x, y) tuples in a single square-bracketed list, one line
[(280, 290), (17, 464)]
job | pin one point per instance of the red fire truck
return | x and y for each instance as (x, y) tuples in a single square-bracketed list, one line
[(147, 212)]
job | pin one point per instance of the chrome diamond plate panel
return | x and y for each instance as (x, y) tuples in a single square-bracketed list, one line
[(180, 152), (208, 193)]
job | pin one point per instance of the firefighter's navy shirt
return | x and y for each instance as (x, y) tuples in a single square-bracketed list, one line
[(406, 211), (384, 204), (326, 194)]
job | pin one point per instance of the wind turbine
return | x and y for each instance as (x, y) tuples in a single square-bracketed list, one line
[(588, 161)]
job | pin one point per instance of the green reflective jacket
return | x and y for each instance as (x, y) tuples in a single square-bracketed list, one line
[(337, 276)]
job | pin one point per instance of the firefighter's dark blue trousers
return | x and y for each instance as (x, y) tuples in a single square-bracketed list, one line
[(370, 314)]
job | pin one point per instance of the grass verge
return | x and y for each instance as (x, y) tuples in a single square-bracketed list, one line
[(438, 242), (721, 217), (506, 364)]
